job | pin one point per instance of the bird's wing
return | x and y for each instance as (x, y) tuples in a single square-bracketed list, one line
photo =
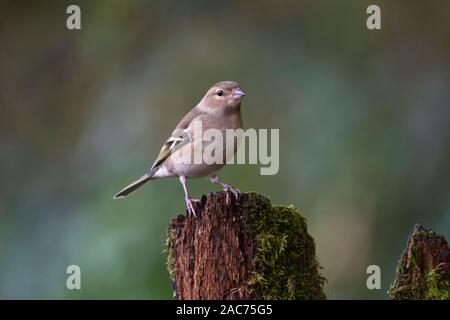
[(172, 144), (179, 137)]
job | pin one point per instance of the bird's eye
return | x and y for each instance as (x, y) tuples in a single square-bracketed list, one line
[(219, 93)]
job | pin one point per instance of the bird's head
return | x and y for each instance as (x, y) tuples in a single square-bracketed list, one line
[(225, 94)]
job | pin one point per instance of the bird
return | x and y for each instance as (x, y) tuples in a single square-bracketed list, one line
[(219, 109)]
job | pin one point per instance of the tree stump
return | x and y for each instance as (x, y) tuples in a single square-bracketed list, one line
[(424, 268), (242, 248)]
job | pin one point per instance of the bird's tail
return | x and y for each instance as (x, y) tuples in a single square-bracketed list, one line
[(134, 185)]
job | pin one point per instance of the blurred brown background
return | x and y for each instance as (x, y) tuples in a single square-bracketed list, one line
[(363, 117)]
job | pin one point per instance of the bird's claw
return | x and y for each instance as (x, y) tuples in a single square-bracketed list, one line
[(233, 190), (190, 206)]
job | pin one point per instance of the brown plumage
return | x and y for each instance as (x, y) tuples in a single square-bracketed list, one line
[(219, 109)]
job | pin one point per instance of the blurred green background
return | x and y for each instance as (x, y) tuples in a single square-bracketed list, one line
[(363, 117)]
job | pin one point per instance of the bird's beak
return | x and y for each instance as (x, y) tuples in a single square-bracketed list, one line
[(238, 93)]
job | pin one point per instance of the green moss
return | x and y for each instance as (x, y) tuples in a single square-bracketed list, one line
[(170, 240), (438, 286), (434, 285), (285, 262)]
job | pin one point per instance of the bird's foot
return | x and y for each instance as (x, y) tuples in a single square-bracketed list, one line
[(190, 205), (228, 187)]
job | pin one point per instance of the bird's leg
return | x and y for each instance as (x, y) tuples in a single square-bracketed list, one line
[(226, 186), (187, 199)]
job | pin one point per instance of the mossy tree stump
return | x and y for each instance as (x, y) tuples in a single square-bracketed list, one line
[(424, 268), (243, 248)]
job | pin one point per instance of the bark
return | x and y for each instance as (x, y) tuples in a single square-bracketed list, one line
[(243, 248), (424, 268)]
